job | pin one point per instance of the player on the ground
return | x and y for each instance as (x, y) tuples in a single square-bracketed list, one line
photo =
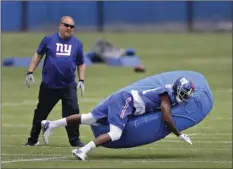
[(119, 106)]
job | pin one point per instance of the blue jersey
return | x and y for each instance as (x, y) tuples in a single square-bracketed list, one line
[(62, 58), (119, 106), (150, 100)]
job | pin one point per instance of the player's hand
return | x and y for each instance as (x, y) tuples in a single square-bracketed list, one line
[(29, 79), (185, 138), (81, 85)]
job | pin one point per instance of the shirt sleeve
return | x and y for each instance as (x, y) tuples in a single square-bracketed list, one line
[(165, 92), (42, 47), (80, 55)]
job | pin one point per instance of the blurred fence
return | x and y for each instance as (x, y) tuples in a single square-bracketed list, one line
[(118, 15)]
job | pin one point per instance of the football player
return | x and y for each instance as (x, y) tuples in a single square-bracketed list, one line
[(119, 106)]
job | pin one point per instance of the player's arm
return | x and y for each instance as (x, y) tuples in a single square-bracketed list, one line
[(166, 113)]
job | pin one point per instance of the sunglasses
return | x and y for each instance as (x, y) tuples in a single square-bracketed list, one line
[(68, 25)]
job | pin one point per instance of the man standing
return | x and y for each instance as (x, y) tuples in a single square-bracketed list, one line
[(63, 53)]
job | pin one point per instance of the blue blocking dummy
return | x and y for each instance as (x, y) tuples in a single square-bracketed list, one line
[(25, 61), (150, 127)]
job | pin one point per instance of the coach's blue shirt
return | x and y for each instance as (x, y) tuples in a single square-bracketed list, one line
[(61, 60)]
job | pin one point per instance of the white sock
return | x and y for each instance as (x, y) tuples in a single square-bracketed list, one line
[(88, 147), (58, 123)]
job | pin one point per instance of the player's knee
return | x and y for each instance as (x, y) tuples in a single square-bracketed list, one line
[(115, 132), (87, 119)]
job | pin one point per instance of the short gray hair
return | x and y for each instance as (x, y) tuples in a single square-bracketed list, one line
[(64, 17)]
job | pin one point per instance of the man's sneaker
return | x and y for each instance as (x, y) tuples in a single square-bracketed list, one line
[(46, 130), (32, 144), (79, 154)]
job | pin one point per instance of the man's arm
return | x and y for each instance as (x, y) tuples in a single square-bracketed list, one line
[(38, 55), (166, 114), (34, 63), (81, 68), (81, 71)]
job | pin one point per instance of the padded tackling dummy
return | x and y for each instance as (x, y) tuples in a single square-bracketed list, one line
[(25, 61), (150, 127)]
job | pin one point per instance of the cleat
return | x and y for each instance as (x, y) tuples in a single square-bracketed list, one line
[(79, 154), (47, 130)]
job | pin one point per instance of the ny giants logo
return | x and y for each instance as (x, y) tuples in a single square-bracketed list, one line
[(63, 49)]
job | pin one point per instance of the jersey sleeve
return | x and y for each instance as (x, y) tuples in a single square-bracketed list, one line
[(162, 91), (167, 92), (154, 91), (80, 55), (42, 47)]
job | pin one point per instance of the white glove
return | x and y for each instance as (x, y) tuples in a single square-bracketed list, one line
[(29, 79), (81, 85), (185, 138)]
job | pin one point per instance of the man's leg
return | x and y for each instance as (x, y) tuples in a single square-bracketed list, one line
[(70, 107), (46, 101)]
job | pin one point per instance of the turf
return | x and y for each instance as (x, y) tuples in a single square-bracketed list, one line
[(209, 53)]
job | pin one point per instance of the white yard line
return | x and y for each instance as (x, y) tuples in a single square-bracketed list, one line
[(33, 160), (117, 161), (46, 155), (128, 149)]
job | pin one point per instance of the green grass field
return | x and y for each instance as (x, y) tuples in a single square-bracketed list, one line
[(210, 54)]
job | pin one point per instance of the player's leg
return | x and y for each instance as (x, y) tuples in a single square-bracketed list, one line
[(113, 135), (70, 107), (76, 119), (119, 108), (46, 101), (99, 112)]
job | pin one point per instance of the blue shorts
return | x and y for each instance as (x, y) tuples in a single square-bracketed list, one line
[(116, 109)]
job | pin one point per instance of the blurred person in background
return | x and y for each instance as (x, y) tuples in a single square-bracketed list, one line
[(63, 54)]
